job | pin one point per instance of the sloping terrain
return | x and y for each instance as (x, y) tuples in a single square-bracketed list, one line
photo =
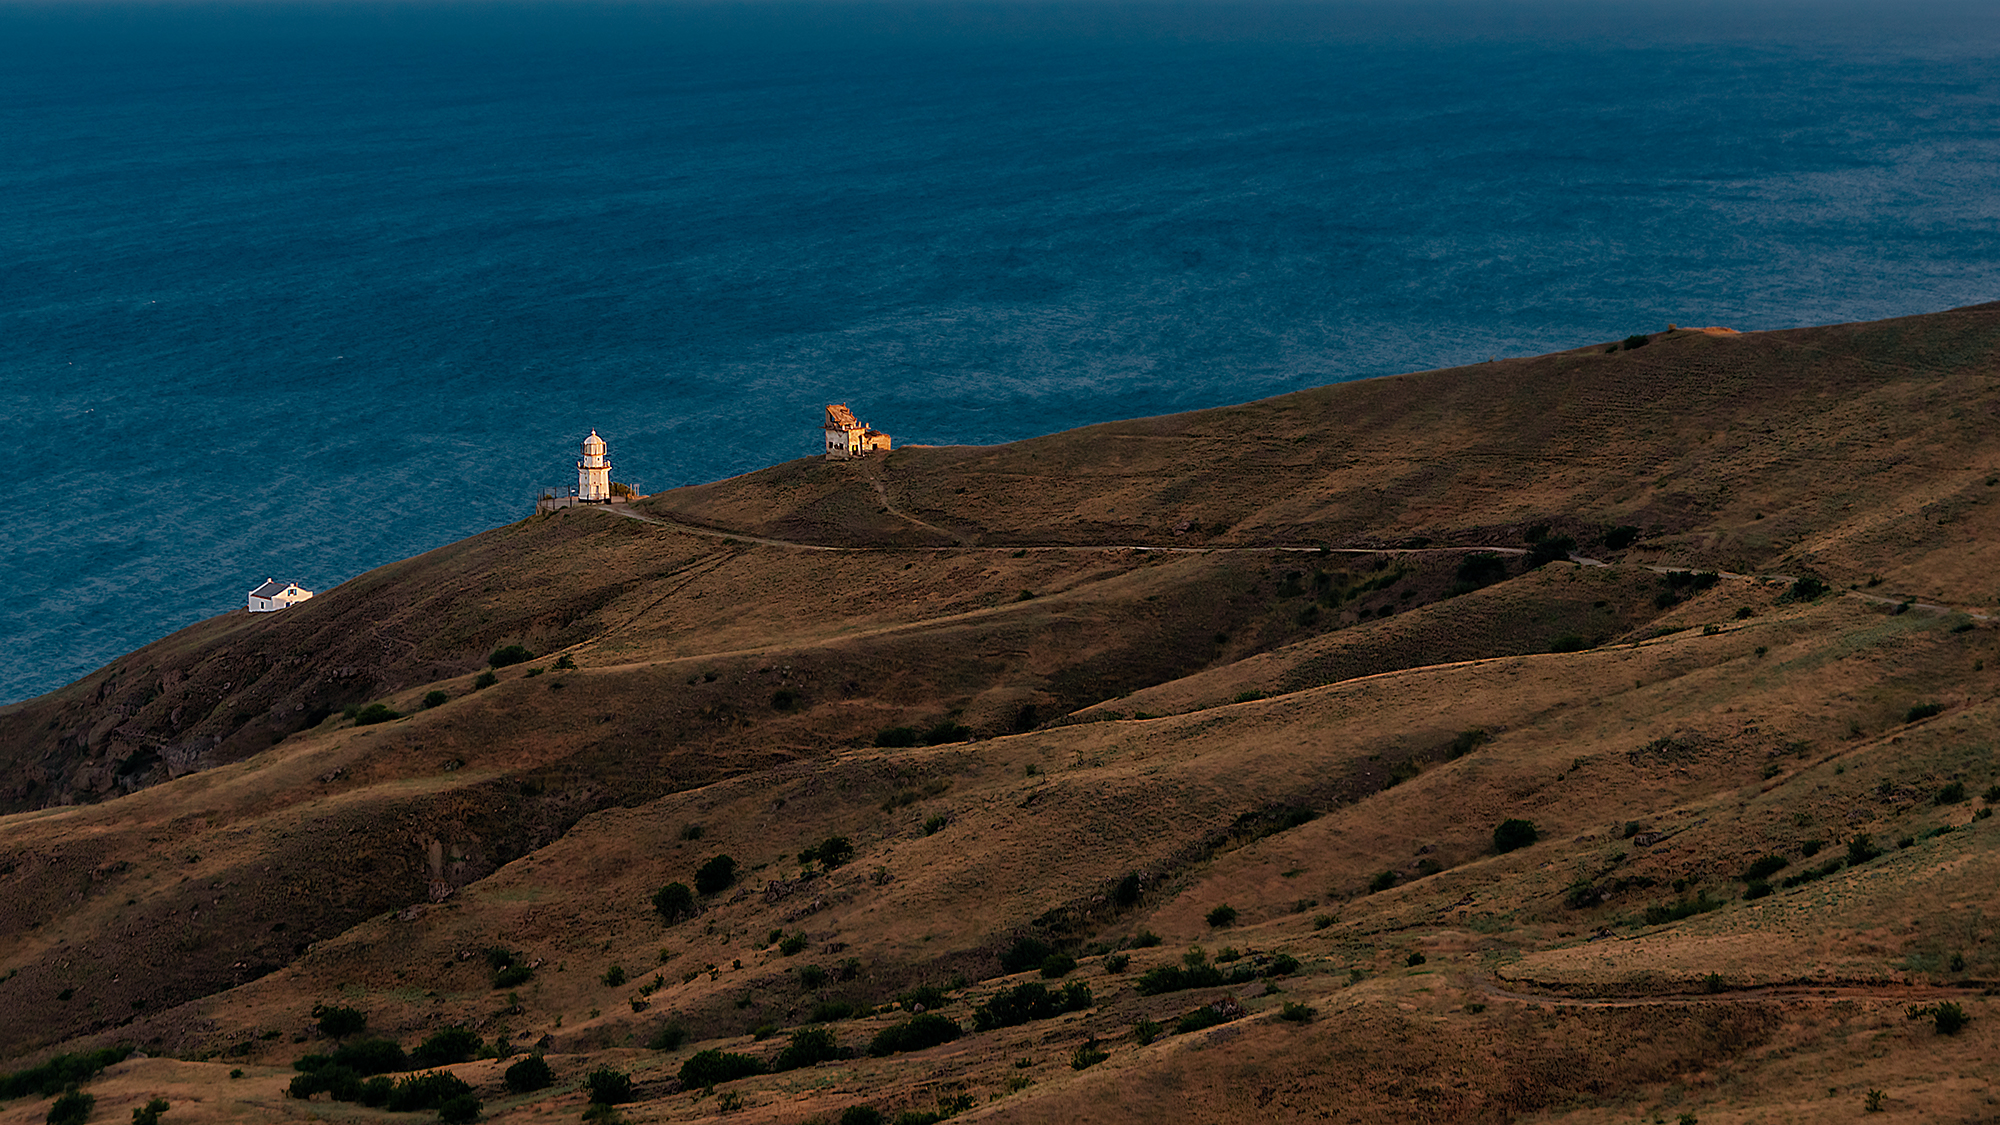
[(1227, 707)]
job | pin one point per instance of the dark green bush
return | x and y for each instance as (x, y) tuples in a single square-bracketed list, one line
[(926, 1030), (436, 699), (1554, 548), (149, 1114), (72, 1107), (1637, 341), (1482, 568), (809, 1045), (1861, 849), (1923, 711), (1514, 834), (460, 1110), (531, 1073), (1620, 537), (1659, 915), (484, 680), (1026, 953), (614, 976), (1058, 965), (1756, 888), (715, 876), (451, 1045), (371, 1056), (614, 1087), (1031, 1001), (375, 1092), (1950, 794), (929, 995), (830, 1011), (1382, 881), (1200, 1019), (426, 1091), (1296, 1013), (1224, 915), (1127, 892), (896, 737), (707, 1068), (675, 903), (509, 654), (832, 852), (1414, 959), (861, 1115), (1465, 742), (946, 732), (339, 1022), (1810, 874), (1087, 1056), (1145, 939), (1807, 589), (1949, 1018), (1764, 868), (375, 713), (513, 976)]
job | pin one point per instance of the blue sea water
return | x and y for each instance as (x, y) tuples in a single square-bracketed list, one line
[(294, 290)]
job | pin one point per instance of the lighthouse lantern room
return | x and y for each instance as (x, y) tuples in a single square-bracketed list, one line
[(593, 472)]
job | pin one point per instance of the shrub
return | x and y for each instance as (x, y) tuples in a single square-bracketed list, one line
[(832, 852), (926, 1030), (830, 1011), (614, 976), (1873, 1101), (1087, 1056), (426, 1091), (375, 713), (715, 876), (1026, 953), (1011, 1007), (1145, 939), (784, 699), (1764, 868), (861, 1115), (452, 1045), (1756, 888), (614, 1087), (435, 699), (1554, 548), (946, 731), (1414, 959), (1861, 849), (1224, 915), (1296, 1013), (1950, 794), (792, 944), (149, 1114), (935, 824), (460, 1110), (72, 1107), (1117, 962), (1382, 881), (1620, 537), (675, 903), (1283, 965), (1201, 1019), (1482, 568), (896, 737), (1659, 915), (668, 1038), (339, 1022), (531, 1073), (484, 680), (1058, 965), (1514, 834), (1920, 711), (1637, 341), (1807, 589), (512, 976), (509, 654), (371, 1056), (808, 1046), (1949, 1018)]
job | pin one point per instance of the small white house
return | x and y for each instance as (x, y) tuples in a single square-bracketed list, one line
[(276, 595)]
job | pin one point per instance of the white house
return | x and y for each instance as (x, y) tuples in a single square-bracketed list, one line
[(276, 595), (593, 472), (846, 437)]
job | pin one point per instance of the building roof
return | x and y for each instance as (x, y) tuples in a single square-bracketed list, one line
[(839, 417), (593, 439), (271, 588)]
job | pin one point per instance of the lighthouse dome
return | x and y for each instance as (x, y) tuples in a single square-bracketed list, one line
[(593, 443)]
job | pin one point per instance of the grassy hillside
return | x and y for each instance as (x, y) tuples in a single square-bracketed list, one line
[(1224, 707)]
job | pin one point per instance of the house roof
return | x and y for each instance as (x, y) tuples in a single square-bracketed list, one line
[(272, 588), (839, 417)]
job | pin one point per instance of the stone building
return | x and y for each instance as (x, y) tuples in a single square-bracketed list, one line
[(846, 437)]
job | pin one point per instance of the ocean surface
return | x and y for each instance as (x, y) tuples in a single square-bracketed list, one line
[(293, 290)]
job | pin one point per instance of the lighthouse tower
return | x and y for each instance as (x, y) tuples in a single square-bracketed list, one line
[(593, 472)]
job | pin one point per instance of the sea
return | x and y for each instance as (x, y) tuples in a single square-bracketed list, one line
[(291, 290)]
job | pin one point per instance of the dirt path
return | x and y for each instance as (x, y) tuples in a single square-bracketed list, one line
[(961, 545), (1891, 993)]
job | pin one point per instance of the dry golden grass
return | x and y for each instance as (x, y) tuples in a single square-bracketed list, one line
[(738, 687)]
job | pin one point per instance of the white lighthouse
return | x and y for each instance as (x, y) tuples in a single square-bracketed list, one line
[(593, 472)]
